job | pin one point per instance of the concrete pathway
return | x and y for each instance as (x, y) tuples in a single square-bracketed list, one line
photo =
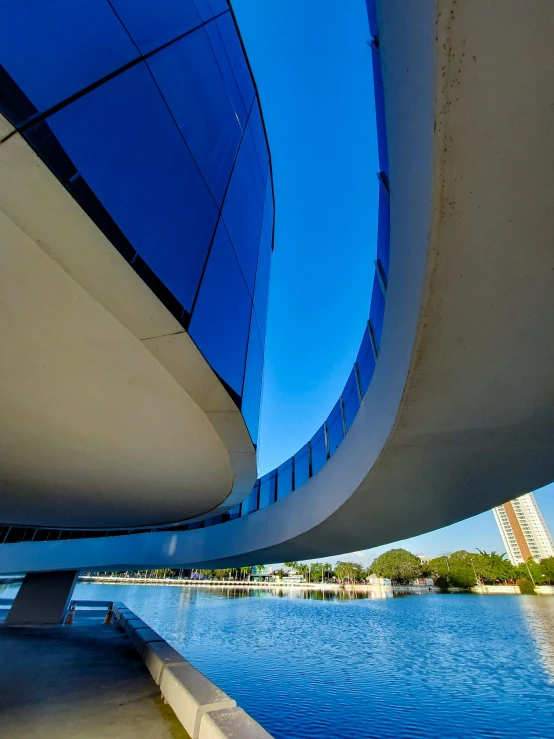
[(81, 681)]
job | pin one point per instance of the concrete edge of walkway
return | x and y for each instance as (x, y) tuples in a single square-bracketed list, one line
[(204, 710)]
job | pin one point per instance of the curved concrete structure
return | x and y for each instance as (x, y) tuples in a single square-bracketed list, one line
[(117, 410), (460, 411), (122, 422)]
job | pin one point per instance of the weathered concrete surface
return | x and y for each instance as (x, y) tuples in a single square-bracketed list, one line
[(85, 682)]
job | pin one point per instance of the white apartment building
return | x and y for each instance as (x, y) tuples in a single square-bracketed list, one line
[(523, 530)]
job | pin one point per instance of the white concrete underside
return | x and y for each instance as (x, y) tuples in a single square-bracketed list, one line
[(110, 416), (459, 416)]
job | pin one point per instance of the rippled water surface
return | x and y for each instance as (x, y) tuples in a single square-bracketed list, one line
[(416, 666)]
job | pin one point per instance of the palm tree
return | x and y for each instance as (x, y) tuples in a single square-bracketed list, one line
[(494, 566)]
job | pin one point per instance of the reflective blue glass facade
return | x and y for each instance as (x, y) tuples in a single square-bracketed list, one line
[(148, 114), (230, 271)]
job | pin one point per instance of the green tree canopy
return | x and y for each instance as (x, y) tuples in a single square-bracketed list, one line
[(457, 569), (321, 571), (532, 571), (493, 566), (547, 570), (397, 564), (349, 571), (222, 574)]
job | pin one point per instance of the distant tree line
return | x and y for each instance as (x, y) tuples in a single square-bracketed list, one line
[(460, 569)]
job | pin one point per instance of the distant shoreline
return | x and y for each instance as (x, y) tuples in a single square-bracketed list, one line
[(333, 587)]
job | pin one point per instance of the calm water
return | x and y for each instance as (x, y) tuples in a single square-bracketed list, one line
[(418, 666)]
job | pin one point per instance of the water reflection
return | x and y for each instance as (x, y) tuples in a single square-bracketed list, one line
[(539, 617), (236, 591), (310, 664)]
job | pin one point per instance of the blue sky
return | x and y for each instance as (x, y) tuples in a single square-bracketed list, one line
[(313, 70)]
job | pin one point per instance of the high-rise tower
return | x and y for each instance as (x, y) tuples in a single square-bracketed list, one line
[(523, 530)]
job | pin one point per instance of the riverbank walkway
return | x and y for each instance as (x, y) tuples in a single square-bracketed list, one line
[(85, 680)]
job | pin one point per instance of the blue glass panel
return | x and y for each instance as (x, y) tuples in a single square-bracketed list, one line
[(242, 213), (319, 450), (380, 112), (377, 309), (234, 512), (261, 291), (221, 316), (383, 229), (218, 6), (152, 23), (255, 123), (284, 479), (204, 10), (227, 72), (235, 54), (301, 466), (268, 489), (55, 49), (351, 399), (209, 8), (372, 16), (250, 504), (251, 395), (249, 145), (122, 139), (191, 83), (195, 525), (335, 428), (365, 361)]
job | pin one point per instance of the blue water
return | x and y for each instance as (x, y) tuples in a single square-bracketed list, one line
[(435, 666)]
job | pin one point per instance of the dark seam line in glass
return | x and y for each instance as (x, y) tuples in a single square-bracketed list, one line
[(164, 100), (231, 66), (251, 293), (256, 96), (258, 257), (219, 218), (181, 135), (273, 224), (248, 347), (236, 257), (114, 11), (252, 312), (107, 78)]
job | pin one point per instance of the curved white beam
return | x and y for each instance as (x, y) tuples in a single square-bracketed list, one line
[(111, 417)]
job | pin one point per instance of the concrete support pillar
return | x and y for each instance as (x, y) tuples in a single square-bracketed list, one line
[(42, 598)]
